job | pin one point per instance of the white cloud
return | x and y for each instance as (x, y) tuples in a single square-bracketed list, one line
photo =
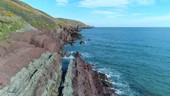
[(144, 2), (103, 12), (138, 14), (104, 3), (109, 14), (62, 2), (113, 3)]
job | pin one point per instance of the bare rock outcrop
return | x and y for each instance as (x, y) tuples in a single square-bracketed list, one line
[(30, 65), (82, 80), (36, 79), (87, 82)]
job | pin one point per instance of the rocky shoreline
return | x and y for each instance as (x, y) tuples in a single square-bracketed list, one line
[(31, 65)]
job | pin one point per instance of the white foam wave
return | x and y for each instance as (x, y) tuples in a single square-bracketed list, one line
[(119, 92), (94, 63), (122, 87), (85, 42), (86, 55), (69, 57), (71, 52)]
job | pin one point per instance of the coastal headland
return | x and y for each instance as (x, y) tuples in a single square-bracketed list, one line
[(31, 51)]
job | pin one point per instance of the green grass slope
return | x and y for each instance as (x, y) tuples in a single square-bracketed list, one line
[(16, 16), (71, 22)]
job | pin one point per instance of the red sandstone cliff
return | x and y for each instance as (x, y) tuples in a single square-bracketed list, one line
[(30, 65), (87, 82)]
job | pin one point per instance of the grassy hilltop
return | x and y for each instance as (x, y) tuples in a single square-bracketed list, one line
[(16, 16)]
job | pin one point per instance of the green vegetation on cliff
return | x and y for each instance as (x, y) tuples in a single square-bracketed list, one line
[(16, 16), (70, 22)]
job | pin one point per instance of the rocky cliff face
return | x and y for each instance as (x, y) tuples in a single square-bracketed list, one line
[(87, 82), (16, 16), (36, 78), (31, 51), (30, 65)]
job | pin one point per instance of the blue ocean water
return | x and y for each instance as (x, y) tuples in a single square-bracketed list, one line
[(137, 60)]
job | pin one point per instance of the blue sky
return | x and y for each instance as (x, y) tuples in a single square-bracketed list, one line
[(109, 13)]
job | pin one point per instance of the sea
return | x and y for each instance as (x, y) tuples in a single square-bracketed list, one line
[(136, 60)]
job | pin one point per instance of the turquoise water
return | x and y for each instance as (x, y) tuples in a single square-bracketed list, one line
[(137, 60)]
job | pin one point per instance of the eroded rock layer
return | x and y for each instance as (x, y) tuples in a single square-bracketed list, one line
[(86, 81), (35, 79), (30, 65)]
